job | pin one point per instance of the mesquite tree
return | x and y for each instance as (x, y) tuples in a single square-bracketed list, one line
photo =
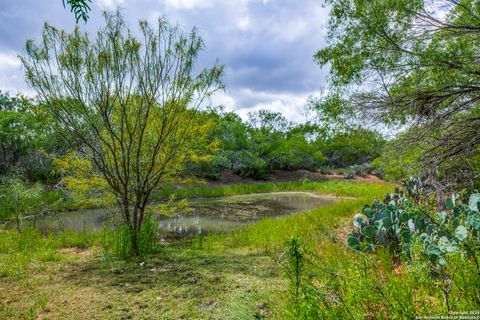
[(414, 63), (129, 104)]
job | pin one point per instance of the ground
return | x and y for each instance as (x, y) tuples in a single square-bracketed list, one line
[(173, 284), (233, 276)]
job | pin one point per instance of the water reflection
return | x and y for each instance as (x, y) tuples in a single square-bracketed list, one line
[(203, 216)]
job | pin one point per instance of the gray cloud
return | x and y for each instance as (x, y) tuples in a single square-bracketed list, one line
[(267, 46)]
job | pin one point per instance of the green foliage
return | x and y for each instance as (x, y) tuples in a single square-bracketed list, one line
[(355, 146), (411, 64), (398, 222), (282, 144), (268, 142), (80, 8), (388, 223), (398, 162), (294, 270), (22, 253), (22, 139), (302, 302), (18, 198), (139, 133), (117, 241)]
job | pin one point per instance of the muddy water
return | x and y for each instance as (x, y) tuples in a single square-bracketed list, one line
[(203, 215)]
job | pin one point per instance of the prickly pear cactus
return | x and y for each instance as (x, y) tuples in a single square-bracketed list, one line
[(397, 222)]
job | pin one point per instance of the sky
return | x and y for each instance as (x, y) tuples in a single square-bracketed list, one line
[(267, 46)]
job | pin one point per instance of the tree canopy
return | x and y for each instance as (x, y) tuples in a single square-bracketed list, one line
[(410, 63), (129, 105)]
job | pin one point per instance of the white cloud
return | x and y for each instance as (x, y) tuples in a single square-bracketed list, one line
[(243, 23), (9, 60), (11, 75), (292, 109), (188, 4), (292, 106), (109, 4), (223, 99)]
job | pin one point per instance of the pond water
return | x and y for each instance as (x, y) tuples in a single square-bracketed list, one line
[(203, 216)]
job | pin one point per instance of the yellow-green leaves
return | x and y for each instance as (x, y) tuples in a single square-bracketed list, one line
[(78, 176)]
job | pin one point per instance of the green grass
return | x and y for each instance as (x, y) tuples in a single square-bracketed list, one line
[(229, 276), (335, 187)]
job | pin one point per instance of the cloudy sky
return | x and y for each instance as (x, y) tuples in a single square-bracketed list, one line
[(266, 45)]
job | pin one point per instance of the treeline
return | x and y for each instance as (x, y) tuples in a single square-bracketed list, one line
[(267, 141), (254, 148)]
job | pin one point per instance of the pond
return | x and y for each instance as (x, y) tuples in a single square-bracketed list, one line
[(212, 215)]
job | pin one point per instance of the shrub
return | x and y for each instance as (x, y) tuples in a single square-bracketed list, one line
[(117, 240)]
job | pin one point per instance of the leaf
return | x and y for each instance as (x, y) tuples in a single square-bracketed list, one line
[(449, 203), (353, 242), (382, 236), (447, 245), (474, 202), (442, 216), (473, 220), (461, 233), (387, 221), (405, 234), (367, 211), (369, 231), (358, 220), (434, 250), (411, 225), (430, 228), (378, 215), (404, 216)]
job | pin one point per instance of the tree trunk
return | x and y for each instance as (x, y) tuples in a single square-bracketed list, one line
[(134, 238)]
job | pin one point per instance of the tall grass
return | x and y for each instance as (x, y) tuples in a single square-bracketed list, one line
[(339, 283), (117, 241), (313, 226), (336, 187)]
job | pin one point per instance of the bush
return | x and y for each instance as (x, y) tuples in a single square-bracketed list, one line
[(117, 241), (247, 164), (355, 146), (396, 162), (439, 272)]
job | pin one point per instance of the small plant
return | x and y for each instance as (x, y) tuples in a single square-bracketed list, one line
[(294, 270)]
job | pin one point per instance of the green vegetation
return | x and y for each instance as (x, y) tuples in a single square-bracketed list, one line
[(424, 263), (269, 142), (409, 65), (139, 132), (199, 278), (119, 122), (79, 8)]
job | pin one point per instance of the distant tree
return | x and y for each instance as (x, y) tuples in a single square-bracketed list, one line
[(129, 105), (353, 146), (408, 63), (269, 121), (19, 131), (79, 7), (19, 198)]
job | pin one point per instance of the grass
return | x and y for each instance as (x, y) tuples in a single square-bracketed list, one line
[(228, 276), (334, 187)]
